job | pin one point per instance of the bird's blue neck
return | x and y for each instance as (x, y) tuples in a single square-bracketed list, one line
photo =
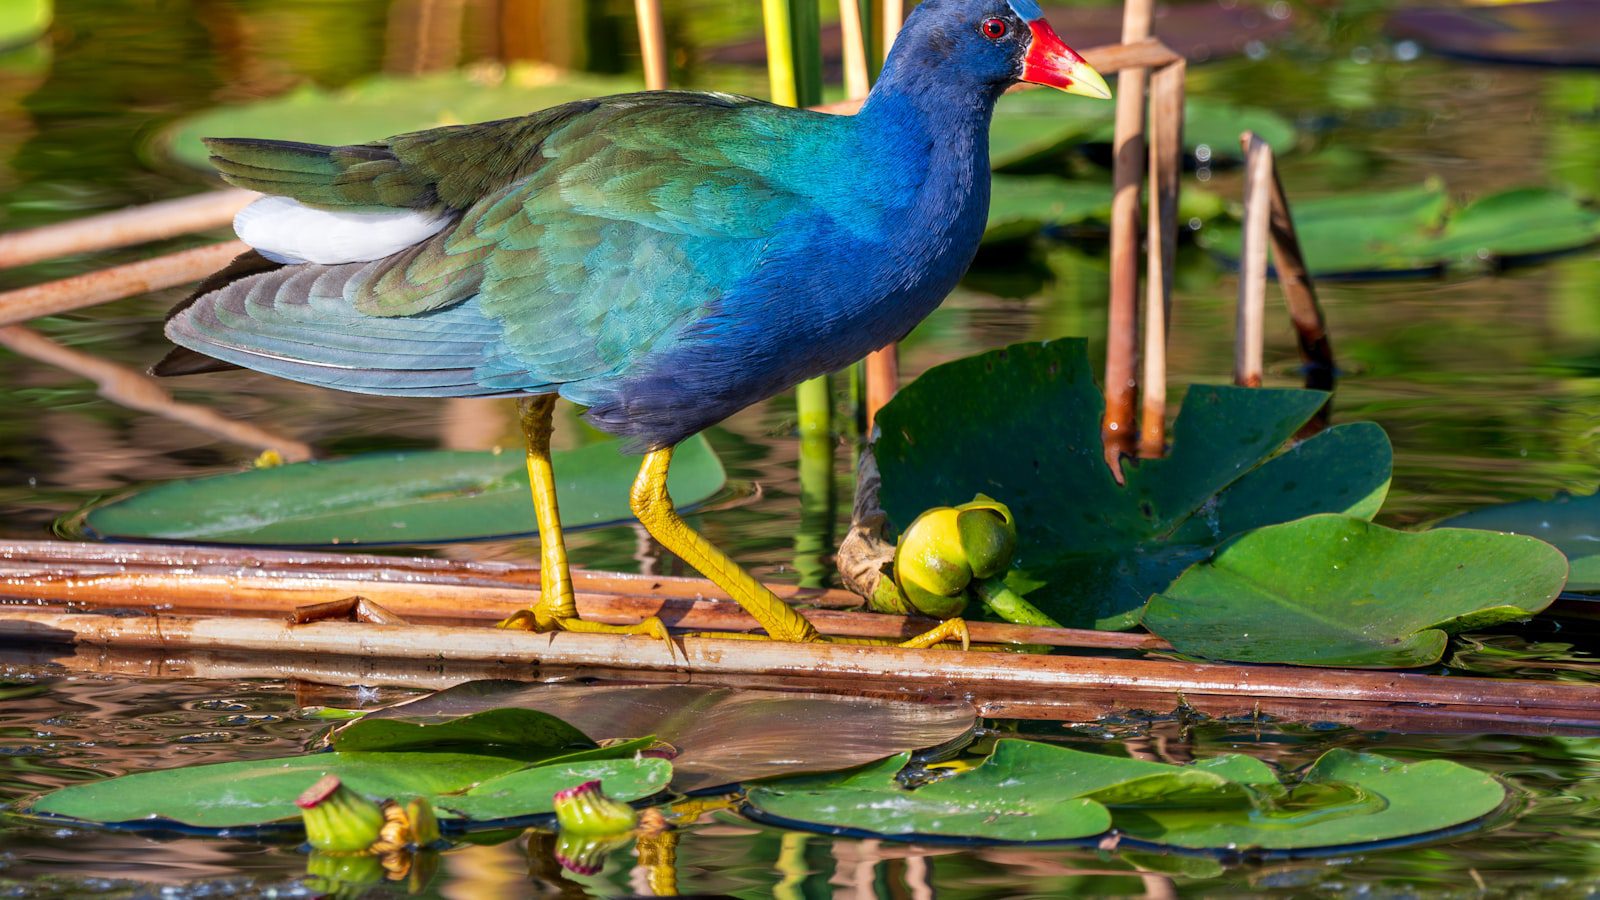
[(914, 87)]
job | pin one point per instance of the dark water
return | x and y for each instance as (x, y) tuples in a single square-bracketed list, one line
[(1484, 381)]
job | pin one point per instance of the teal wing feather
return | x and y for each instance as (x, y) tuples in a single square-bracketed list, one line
[(588, 236)]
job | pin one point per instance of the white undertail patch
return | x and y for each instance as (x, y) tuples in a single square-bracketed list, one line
[(288, 231)]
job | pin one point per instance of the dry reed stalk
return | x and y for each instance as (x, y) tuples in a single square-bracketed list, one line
[(1250, 330), (1122, 339), (1166, 168), (117, 283), (133, 389), (1299, 291), (883, 380), (123, 228), (857, 70), (652, 43), (1078, 705), (906, 670), (284, 588)]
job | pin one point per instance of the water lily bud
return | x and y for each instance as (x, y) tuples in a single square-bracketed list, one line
[(585, 854), (945, 549), (585, 809), (341, 875), (337, 819)]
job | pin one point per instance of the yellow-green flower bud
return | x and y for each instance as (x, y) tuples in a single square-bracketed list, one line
[(337, 819), (586, 809), (344, 874), (585, 854), (945, 549)]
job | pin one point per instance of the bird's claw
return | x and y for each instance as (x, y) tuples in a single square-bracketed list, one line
[(528, 620), (948, 630)]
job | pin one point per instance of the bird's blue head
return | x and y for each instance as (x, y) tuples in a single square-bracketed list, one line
[(997, 43)]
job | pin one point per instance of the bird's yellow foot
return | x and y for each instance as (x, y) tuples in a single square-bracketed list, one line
[(948, 630), (529, 620)]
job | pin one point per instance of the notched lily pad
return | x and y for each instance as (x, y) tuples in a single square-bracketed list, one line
[(1571, 523), (1022, 425), (1038, 792), (1337, 591), (1413, 230), (262, 792), (392, 498)]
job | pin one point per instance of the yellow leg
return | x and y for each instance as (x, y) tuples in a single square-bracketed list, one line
[(653, 505), (557, 607)]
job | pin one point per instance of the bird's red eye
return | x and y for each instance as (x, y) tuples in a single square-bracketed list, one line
[(995, 29)]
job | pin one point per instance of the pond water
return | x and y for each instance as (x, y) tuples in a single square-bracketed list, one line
[(1484, 382)]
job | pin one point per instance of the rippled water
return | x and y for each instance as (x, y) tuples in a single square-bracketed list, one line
[(1484, 382)]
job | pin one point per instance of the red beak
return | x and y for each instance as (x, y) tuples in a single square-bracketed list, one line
[(1052, 63)]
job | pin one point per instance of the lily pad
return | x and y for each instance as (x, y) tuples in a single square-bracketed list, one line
[(262, 792), (1412, 231), (1337, 591), (1004, 799), (258, 792), (1022, 425), (1032, 126), (516, 733), (721, 735), (1571, 523), (1021, 205), (514, 795), (384, 105), (1344, 798), (392, 498), (1030, 791), (24, 21)]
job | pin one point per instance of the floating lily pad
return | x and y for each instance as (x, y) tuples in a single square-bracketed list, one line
[(1344, 798), (262, 792), (511, 796), (1031, 126), (382, 106), (1038, 792), (721, 736), (1337, 591), (1571, 523), (1022, 425), (517, 733), (1550, 32), (23, 21), (393, 498), (1006, 798), (1021, 205), (1412, 231)]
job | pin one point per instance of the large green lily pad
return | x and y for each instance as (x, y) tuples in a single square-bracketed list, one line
[(262, 792), (1337, 591), (23, 21), (1413, 230), (393, 498), (383, 106), (1571, 523), (1032, 126), (1022, 425), (1038, 792)]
